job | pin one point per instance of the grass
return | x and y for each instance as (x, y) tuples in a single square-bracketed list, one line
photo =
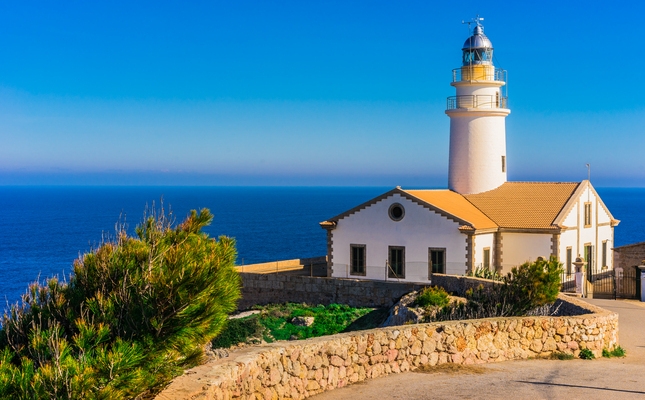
[(616, 352), (239, 330), (451, 368), (274, 323), (561, 356)]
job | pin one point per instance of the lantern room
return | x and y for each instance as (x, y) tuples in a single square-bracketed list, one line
[(477, 50)]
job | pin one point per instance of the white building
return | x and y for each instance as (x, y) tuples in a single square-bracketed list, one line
[(481, 220)]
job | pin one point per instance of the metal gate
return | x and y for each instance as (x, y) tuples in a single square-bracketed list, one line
[(614, 284), (611, 284)]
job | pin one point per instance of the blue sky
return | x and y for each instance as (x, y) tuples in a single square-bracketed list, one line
[(309, 93)]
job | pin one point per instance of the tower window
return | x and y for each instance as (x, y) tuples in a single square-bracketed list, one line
[(486, 258), (477, 56), (503, 163)]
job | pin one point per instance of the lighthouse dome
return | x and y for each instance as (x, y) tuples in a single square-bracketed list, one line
[(478, 40), (477, 50)]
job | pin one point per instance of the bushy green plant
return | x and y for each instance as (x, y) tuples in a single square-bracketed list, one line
[(134, 313), (239, 330), (433, 296), (528, 289), (534, 284), (486, 273), (586, 354), (615, 352)]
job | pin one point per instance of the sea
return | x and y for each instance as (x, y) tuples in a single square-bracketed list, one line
[(44, 229)]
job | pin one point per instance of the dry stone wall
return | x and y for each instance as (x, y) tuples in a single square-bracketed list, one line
[(301, 369), (261, 289), (629, 256)]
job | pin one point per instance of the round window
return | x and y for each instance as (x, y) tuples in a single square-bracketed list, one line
[(396, 212)]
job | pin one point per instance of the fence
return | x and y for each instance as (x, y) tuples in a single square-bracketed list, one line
[(616, 283), (476, 101), (474, 72)]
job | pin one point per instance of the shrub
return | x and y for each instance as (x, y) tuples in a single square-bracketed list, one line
[(135, 312), (534, 284), (616, 352), (486, 273), (528, 289), (239, 330), (586, 354), (433, 296)]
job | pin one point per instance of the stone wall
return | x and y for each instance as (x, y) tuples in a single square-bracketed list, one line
[(629, 256), (299, 369), (263, 289)]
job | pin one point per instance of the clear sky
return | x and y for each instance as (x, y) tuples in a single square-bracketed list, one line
[(309, 93)]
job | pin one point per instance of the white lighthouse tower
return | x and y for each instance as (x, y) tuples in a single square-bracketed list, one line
[(477, 119)]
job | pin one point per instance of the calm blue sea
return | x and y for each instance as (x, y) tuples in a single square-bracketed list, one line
[(43, 229)]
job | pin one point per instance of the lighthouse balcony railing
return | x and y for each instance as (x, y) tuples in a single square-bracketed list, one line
[(476, 101), (479, 73)]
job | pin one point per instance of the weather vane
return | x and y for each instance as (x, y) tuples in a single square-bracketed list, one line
[(475, 20)]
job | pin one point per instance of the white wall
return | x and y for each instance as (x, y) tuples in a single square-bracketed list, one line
[(477, 144), (518, 248), (482, 241), (419, 230)]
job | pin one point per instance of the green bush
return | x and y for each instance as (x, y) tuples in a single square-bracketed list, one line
[(616, 352), (534, 284), (528, 289), (586, 354), (135, 312), (239, 330), (433, 296)]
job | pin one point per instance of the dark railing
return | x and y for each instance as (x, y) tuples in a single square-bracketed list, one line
[(567, 282), (476, 101), (477, 72), (608, 284)]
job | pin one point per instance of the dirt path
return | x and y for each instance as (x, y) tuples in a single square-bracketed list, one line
[(604, 379)]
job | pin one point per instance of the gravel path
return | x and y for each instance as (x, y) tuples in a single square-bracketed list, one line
[(617, 378)]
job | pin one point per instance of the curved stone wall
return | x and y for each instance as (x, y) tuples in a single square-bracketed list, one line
[(300, 369)]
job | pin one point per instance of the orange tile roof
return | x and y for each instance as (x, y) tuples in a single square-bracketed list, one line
[(454, 204), (524, 204)]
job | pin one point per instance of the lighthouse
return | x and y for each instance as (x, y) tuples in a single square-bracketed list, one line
[(477, 119)]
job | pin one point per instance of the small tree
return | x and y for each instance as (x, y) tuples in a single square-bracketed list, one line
[(534, 284), (135, 312)]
